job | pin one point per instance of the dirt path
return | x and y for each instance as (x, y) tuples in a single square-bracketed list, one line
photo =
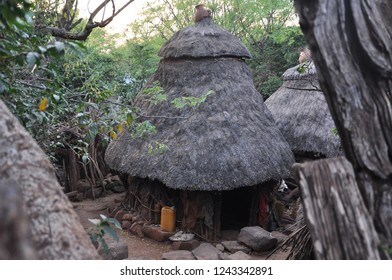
[(138, 248)]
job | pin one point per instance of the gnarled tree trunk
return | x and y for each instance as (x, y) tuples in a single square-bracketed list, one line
[(56, 231), (351, 44), (336, 215)]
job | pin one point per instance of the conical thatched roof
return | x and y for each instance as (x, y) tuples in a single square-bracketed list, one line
[(302, 115), (204, 39), (227, 142)]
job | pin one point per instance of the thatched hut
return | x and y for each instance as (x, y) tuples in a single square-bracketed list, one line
[(218, 154), (302, 115)]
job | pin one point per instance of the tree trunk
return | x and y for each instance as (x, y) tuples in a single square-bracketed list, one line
[(56, 231), (336, 215), (351, 46), (15, 241)]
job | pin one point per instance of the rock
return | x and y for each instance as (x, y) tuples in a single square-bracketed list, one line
[(115, 178), (117, 250), (257, 238), (125, 225), (119, 215), (220, 247), (118, 189), (280, 236), (156, 233), (137, 218), (79, 197), (71, 195), (185, 245), (82, 185), (239, 256), (178, 255), (89, 193), (127, 217), (224, 256), (137, 229), (234, 246), (206, 251)]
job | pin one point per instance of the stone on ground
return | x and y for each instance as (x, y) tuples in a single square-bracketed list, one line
[(185, 245), (234, 246), (206, 251), (156, 233), (257, 238)]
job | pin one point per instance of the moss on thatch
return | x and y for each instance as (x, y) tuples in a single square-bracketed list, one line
[(227, 142), (302, 115)]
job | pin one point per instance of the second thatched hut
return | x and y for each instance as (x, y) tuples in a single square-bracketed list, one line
[(302, 115), (213, 162)]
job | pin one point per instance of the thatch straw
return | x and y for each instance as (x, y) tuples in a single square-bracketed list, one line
[(205, 39), (227, 142), (302, 115)]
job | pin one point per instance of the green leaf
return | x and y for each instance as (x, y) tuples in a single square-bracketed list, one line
[(59, 46), (32, 58), (129, 118), (108, 230), (42, 49), (104, 244), (115, 222)]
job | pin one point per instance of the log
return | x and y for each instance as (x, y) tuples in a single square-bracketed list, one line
[(336, 215), (56, 231)]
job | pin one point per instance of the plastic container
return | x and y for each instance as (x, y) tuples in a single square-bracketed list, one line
[(168, 219)]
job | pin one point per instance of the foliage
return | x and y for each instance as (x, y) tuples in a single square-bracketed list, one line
[(387, 250), (191, 101), (103, 227)]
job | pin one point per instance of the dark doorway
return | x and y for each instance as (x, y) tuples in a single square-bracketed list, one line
[(235, 211)]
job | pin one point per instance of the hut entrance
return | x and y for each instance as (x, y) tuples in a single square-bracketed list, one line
[(236, 208)]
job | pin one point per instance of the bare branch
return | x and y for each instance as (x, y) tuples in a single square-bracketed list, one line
[(67, 23)]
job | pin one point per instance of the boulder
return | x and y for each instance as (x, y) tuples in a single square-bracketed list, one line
[(257, 238)]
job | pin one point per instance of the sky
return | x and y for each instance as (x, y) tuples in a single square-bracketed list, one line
[(119, 23)]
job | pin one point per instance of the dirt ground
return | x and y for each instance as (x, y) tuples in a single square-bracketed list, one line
[(138, 248)]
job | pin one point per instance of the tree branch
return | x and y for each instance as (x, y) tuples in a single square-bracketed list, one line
[(63, 32)]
